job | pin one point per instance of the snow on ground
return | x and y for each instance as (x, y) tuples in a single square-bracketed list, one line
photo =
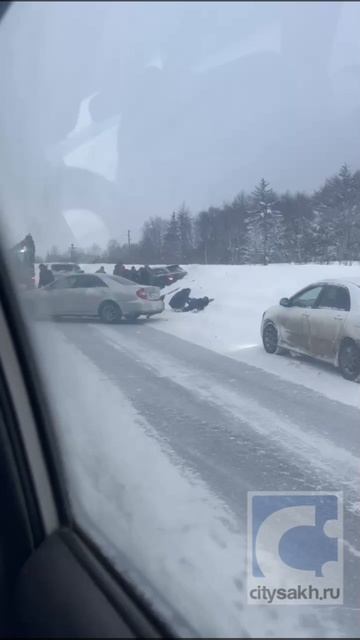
[(231, 324), (316, 450), (137, 498)]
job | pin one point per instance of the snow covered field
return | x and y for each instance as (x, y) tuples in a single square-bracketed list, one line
[(231, 324)]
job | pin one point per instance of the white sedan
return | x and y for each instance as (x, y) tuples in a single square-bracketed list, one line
[(108, 297), (322, 321)]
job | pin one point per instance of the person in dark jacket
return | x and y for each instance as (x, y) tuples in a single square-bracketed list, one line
[(46, 276), (133, 275), (118, 269), (180, 299), (197, 304), (145, 275)]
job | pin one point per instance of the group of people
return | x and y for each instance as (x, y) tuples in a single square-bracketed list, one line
[(140, 276)]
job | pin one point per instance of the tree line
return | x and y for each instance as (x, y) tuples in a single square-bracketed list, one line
[(263, 226)]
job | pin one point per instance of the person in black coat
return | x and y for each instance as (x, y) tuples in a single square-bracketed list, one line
[(118, 269), (46, 276), (197, 304), (133, 275), (180, 299), (145, 275)]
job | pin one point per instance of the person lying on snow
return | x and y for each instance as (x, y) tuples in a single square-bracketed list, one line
[(197, 304), (181, 301)]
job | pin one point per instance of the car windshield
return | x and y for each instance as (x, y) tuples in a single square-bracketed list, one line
[(210, 436)]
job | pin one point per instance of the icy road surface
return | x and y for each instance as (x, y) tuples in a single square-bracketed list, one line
[(229, 426)]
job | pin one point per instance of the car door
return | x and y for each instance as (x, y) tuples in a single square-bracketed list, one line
[(327, 319), (59, 296), (295, 319), (88, 293)]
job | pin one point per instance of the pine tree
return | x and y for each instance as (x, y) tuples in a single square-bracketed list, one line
[(203, 228), (185, 229), (263, 224), (152, 240), (172, 241), (338, 204), (298, 225)]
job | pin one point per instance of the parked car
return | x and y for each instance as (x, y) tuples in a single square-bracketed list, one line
[(165, 276), (62, 268), (322, 321), (107, 297), (176, 272)]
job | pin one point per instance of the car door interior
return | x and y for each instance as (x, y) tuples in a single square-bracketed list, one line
[(53, 581)]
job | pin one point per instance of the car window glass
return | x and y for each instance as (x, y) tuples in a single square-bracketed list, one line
[(334, 298), (62, 283), (124, 281), (307, 298), (88, 281)]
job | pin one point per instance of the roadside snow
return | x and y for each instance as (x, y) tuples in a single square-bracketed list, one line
[(231, 324)]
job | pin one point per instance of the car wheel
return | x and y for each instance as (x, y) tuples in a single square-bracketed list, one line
[(271, 339), (110, 312), (349, 360)]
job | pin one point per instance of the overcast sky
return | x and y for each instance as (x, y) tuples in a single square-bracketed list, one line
[(113, 112)]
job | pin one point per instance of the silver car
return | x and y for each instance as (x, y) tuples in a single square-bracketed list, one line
[(322, 321), (107, 297)]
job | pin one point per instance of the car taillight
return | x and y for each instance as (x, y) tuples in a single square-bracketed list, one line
[(142, 293)]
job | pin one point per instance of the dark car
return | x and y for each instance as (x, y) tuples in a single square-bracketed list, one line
[(176, 272), (160, 277), (165, 276), (65, 268)]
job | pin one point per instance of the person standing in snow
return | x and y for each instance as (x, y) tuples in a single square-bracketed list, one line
[(145, 275), (133, 275), (46, 276), (118, 269)]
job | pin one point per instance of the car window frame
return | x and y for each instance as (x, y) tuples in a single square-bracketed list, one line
[(53, 286), (303, 291), (335, 286), (80, 277)]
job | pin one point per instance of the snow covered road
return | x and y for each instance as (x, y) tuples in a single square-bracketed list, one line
[(236, 428)]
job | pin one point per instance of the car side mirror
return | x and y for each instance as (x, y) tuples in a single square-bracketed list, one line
[(285, 302)]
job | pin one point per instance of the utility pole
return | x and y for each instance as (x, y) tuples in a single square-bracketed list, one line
[(129, 238), (72, 253)]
